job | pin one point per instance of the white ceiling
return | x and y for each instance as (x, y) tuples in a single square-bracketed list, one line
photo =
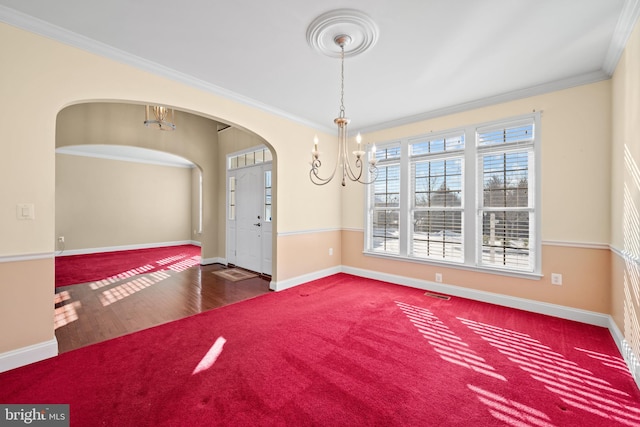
[(432, 56)]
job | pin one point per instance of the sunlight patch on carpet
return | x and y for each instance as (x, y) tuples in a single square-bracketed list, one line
[(235, 274), (510, 411), (212, 355), (607, 360), (575, 386), (445, 342)]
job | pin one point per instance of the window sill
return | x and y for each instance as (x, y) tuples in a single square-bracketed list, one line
[(458, 266)]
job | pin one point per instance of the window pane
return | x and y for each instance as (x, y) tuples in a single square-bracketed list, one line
[(437, 234), (506, 239), (388, 153), (386, 190), (506, 180), (437, 145), (386, 234), (438, 183), (232, 197), (267, 196), (506, 135)]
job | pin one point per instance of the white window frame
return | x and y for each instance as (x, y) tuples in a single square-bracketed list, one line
[(471, 200)]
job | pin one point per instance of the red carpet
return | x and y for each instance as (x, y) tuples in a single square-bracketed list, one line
[(74, 269), (343, 351)]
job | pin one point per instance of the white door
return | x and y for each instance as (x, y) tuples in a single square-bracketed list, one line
[(249, 189)]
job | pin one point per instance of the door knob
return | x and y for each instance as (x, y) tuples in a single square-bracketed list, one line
[(258, 224)]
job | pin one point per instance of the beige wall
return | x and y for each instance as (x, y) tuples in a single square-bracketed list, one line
[(194, 139), (576, 155), (625, 194), (575, 130), (585, 271), (26, 312), (39, 78), (103, 203)]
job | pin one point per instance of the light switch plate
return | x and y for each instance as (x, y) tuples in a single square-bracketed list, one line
[(25, 211)]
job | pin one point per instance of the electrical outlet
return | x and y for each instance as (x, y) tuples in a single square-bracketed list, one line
[(439, 277), (330, 251), (556, 279), (61, 239)]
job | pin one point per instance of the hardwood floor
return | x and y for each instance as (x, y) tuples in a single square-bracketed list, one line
[(97, 311)]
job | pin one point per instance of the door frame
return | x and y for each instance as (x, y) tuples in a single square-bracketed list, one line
[(266, 248)]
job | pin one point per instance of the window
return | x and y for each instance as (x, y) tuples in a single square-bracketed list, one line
[(232, 198), (267, 196), (386, 202), (250, 158), (436, 198), (462, 197), (505, 156)]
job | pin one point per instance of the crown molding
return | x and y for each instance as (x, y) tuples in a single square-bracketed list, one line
[(557, 85), (624, 28), (29, 23)]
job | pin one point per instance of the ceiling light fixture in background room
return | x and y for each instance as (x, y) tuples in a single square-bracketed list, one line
[(341, 33), (162, 119)]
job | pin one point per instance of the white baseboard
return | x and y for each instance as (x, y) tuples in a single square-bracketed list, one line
[(630, 358), (584, 316), (124, 248), (30, 354), (218, 260), (569, 313), (295, 281), (589, 317)]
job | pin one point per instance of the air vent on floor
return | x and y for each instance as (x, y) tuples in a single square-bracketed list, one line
[(432, 295)]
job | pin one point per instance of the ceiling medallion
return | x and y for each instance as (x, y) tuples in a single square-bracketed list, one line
[(322, 32)]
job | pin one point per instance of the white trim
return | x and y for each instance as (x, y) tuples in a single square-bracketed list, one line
[(459, 266), (584, 316), (361, 230), (563, 312), (626, 256), (126, 247), (616, 251), (295, 281), (29, 354), (26, 257), (301, 232), (580, 80), (624, 28), (544, 242), (630, 358), (576, 244), (72, 150), (217, 260), (37, 26)]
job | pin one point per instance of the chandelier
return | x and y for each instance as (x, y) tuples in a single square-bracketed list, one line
[(365, 34), (159, 117)]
